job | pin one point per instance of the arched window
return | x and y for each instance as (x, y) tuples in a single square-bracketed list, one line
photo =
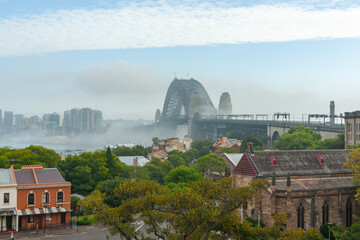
[(46, 197), (325, 213), (60, 197), (348, 213), (300, 216), (31, 199)]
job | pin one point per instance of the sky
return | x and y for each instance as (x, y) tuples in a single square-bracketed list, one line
[(121, 56)]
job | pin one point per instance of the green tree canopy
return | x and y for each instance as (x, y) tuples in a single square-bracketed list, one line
[(176, 160), (198, 212), (183, 174), (258, 144), (299, 138), (203, 147), (211, 163), (353, 165)]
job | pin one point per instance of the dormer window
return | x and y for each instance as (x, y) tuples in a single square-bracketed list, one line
[(272, 161), (320, 159)]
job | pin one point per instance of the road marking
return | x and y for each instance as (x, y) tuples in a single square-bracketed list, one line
[(140, 226)]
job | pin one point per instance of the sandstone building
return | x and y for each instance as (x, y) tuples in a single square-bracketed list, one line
[(311, 186)]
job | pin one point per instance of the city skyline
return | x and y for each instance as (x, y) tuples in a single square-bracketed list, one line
[(120, 57)]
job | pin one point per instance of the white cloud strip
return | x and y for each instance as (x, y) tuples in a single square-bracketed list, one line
[(141, 26)]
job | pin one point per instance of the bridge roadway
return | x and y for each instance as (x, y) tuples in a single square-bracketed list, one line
[(210, 127)]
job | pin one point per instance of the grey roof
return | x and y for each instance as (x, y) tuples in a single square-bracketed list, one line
[(303, 162), (49, 175), (46, 175), (316, 184), (234, 157), (129, 160), (6, 176), (24, 177)]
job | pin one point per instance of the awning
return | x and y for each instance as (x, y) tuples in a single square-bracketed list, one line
[(7, 211), (37, 211)]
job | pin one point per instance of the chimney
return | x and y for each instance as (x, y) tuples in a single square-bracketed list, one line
[(135, 161), (250, 147)]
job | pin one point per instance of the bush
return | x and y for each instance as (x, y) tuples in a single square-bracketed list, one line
[(85, 220), (324, 229)]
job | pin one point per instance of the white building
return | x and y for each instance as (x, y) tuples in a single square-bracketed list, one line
[(8, 201)]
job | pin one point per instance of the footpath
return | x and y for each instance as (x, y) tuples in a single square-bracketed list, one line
[(49, 232)]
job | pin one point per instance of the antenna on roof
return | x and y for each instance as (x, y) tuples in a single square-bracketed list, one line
[(12, 161), (175, 74), (188, 75)]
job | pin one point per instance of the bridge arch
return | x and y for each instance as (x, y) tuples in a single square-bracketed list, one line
[(275, 136), (177, 101)]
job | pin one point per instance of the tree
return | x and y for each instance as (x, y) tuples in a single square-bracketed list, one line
[(203, 147), (353, 164), (183, 174), (110, 162), (350, 233), (74, 203), (257, 143), (201, 211), (176, 160), (108, 187), (334, 143), (227, 150), (85, 171), (211, 163), (299, 138)]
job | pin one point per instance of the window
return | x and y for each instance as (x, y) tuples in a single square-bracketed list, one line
[(348, 213), (325, 213), (6, 197), (60, 197), (300, 216), (46, 197), (31, 199), (48, 217), (31, 219)]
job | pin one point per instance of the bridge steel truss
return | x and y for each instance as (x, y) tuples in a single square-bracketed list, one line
[(177, 101)]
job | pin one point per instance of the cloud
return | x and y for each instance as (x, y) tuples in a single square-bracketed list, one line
[(159, 24), (123, 78)]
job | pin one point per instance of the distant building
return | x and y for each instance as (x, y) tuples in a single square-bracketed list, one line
[(133, 160), (174, 144), (225, 142), (1, 119), (17, 119), (82, 120), (352, 128), (8, 119), (8, 201), (158, 153)]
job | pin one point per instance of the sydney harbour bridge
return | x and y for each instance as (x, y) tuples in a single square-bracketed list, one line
[(188, 103)]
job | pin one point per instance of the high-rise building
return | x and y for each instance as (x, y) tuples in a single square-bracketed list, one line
[(8, 119), (17, 119), (1, 123), (84, 119)]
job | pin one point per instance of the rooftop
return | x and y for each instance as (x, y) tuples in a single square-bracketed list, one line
[(297, 162), (38, 176), (6, 176)]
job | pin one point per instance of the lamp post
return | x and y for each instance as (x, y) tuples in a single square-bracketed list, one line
[(329, 223), (259, 216)]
